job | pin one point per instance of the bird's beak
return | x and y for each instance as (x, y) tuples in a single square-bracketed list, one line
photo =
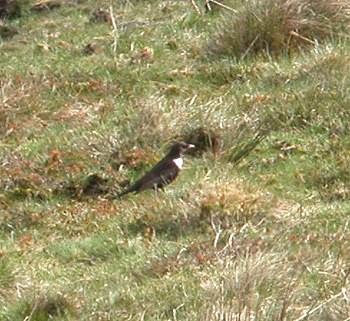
[(190, 146)]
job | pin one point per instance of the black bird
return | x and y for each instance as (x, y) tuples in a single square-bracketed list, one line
[(163, 173)]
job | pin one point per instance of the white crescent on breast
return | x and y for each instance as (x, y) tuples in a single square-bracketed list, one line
[(178, 162)]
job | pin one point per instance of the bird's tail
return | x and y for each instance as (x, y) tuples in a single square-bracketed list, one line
[(127, 191)]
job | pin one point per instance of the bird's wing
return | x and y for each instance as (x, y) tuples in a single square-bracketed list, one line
[(160, 175)]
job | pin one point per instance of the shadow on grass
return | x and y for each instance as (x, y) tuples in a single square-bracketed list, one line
[(167, 228), (92, 185), (45, 307), (150, 227)]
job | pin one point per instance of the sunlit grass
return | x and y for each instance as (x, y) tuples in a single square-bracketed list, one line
[(255, 226)]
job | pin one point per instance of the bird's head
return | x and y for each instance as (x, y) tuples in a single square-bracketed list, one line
[(179, 149)]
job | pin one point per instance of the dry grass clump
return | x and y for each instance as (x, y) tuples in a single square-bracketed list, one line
[(264, 285), (232, 204), (240, 288), (274, 27)]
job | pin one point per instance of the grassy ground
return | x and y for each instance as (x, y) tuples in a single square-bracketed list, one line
[(256, 227)]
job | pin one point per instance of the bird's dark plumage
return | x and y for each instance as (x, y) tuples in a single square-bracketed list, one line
[(163, 173)]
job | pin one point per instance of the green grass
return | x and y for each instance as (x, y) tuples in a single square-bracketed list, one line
[(256, 225)]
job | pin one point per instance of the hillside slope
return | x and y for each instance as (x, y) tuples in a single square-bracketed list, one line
[(93, 93)]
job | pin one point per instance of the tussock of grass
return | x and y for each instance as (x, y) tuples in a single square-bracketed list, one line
[(276, 27), (241, 287)]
